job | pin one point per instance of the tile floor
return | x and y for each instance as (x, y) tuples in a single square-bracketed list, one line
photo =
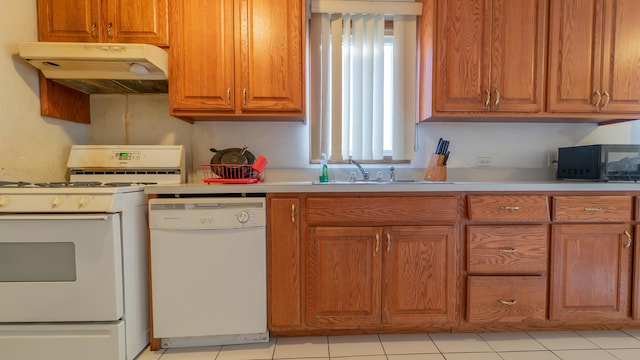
[(543, 345)]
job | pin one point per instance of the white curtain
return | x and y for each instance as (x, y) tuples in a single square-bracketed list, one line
[(347, 92)]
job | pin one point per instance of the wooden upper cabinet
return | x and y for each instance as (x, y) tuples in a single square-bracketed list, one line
[(490, 56), (237, 57), (271, 56), (116, 21), (69, 20), (593, 63), (137, 21), (201, 66)]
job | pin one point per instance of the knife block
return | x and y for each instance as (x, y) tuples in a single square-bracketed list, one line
[(436, 170)]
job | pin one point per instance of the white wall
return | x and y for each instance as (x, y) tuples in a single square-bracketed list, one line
[(32, 148), (518, 151)]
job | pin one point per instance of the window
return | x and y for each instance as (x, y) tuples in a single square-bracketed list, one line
[(362, 80)]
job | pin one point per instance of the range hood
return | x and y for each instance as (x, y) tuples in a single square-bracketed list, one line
[(97, 68)]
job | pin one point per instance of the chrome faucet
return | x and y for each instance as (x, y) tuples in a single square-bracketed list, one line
[(392, 173), (365, 174)]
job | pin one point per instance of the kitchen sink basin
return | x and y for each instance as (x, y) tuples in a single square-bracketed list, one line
[(378, 182)]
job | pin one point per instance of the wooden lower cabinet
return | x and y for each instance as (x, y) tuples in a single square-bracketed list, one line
[(387, 262), (507, 249), (343, 282), (404, 275), (590, 272), (506, 299), (636, 274), (284, 262), (419, 275)]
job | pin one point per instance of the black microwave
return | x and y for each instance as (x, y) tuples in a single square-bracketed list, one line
[(604, 162)]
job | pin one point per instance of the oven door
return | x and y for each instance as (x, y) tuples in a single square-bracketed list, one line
[(60, 267)]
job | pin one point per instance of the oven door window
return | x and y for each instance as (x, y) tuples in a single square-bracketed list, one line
[(60, 267), (37, 262)]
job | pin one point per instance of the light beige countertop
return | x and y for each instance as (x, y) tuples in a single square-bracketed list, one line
[(308, 186)]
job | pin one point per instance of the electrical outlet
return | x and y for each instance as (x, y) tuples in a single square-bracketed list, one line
[(552, 159), (484, 161)]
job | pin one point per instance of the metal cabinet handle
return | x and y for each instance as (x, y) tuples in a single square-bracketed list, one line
[(508, 251), (508, 302), (488, 100), (593, 209), (629, 241), (388, 242), (606, 93), (377, 244), (597, 93), (228, 96), (244, 97), (511, 208), (109, 34), (497, 98), (293, 213), (93, 31)]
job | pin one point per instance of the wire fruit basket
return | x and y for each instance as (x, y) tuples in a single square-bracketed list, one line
[(234, 173)]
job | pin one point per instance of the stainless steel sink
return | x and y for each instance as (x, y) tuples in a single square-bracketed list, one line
[(378, 182)]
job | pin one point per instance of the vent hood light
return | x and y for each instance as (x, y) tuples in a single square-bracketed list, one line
[(100, 68), (139, 69)]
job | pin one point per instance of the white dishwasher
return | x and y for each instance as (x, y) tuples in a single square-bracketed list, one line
[(208, 270)]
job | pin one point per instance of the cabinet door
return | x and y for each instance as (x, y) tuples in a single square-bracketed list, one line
[(201, 56), (136, 21), (574, 55), (343, 276), (463, 55), (590, 272), (69, 20), (518, 43), (420, 275), (621, 74), (636, 275), (283, 253), (271, 56)]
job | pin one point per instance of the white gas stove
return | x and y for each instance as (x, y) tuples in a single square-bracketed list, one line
[(98, 176), (73, 256)]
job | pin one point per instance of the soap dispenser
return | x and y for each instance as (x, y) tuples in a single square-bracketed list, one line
[(324, 175)]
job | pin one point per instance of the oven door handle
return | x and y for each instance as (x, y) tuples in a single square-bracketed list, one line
[(54, 217)]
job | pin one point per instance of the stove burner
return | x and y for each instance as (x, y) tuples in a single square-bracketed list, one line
[(126, 183), (71, 184), (68, 184), (117, 184), (14, 184)]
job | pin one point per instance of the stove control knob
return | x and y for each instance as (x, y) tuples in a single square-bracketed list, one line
[(243, 217), (56, 202), (84, 201), (4, 201)]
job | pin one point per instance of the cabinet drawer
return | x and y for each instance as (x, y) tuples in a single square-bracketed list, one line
[(592, 208), (513, 249), (506, 298), (378, 210), (508, 208)]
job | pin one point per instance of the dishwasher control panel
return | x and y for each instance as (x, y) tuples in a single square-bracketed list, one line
[(207, 213)]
